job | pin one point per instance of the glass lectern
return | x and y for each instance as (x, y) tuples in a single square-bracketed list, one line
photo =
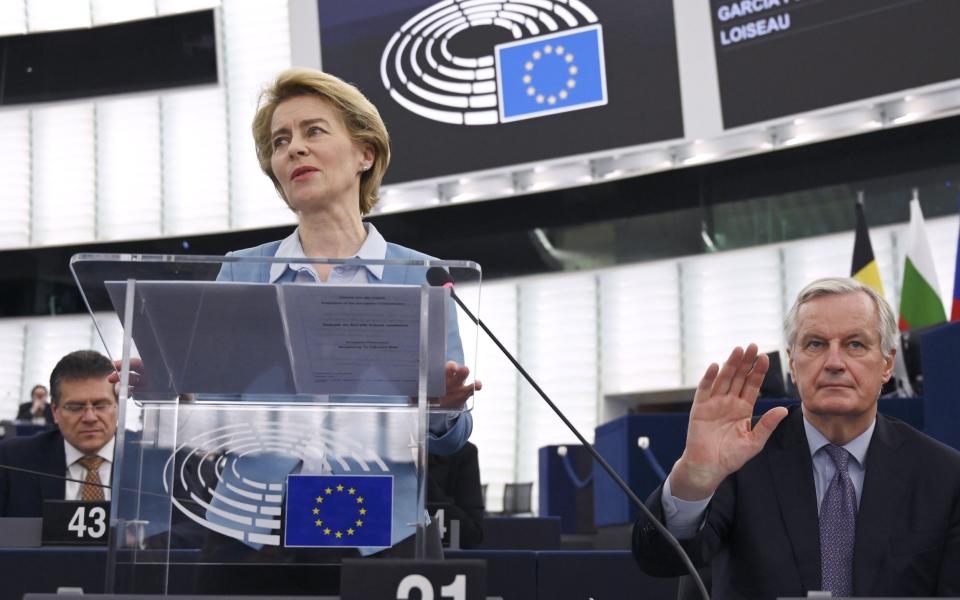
[(271, 426)]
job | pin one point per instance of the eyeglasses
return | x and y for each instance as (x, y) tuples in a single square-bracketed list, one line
[(101, 407)]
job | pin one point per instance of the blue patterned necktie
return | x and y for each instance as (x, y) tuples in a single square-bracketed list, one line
[(838, 522)]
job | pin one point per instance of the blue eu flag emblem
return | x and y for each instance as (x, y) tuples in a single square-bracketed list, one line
[(341, 511), (551, 73)]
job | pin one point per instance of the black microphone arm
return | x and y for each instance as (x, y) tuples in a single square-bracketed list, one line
[(52, 476), (438, 276)]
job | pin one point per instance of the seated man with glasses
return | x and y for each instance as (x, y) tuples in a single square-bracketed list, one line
[(85, 411)]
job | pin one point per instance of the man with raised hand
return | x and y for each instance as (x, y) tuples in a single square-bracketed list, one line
[(830, 495)]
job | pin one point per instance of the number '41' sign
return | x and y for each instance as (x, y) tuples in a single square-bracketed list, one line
[(75, 523)]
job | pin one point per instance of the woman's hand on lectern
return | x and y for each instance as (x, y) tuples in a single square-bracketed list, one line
[(458, 391), (136, 375)]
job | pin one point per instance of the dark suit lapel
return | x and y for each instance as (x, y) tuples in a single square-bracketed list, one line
[(792, 471), (55, 463), (885, 481)]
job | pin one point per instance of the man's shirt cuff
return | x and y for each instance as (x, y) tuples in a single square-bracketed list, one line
[(683, 517)]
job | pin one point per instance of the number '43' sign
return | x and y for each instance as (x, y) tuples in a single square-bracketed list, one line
[(75, 523)]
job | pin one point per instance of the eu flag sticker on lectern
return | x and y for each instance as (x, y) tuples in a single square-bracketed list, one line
[(341, 511), (551, 73)]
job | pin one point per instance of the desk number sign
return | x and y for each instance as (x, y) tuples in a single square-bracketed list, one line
[(401, 579), (67, 523)]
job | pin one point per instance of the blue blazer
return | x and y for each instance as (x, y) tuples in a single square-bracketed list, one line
[(22, 494), (761, 534), (456, 436)]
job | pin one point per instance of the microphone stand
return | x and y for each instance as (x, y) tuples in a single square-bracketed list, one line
[(52, 476), (672, 541)]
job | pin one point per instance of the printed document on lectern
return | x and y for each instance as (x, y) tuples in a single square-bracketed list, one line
[(255, 338)]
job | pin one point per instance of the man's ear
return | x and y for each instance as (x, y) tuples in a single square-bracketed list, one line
[(888, 363)]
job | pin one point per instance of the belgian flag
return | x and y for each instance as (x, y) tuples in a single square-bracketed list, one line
[(864, 268)]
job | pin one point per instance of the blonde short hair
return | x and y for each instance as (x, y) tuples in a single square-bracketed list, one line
[(834, 286), (359, 115)]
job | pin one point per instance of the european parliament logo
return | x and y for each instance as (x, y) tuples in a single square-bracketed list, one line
[(342, 511), (554, 63)]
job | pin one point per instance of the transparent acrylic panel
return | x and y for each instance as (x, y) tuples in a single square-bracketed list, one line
[(257, 407)]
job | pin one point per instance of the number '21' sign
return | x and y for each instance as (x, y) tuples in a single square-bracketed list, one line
[(398, 579), (75, 523)]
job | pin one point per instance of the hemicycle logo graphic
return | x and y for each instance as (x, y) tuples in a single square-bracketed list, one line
[(554, 63), (235, 475)]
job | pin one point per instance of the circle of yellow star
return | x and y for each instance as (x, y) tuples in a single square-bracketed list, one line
[(527, 78), (563, 94), (328, 491), (536, 55), (571, 83), (539, 98), (326, 531), (316, 511), (350, 531), (548, 49), (340, 488), (363, 511), (528, 66), (352, 491), (320, 499), (339, 535), (568, 57), (359, 522), (572, 70), (318, 522), (531, 90), (559, 50), (359, 499), (552, 100)]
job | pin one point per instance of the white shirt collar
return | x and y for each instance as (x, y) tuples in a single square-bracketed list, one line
[(858, 446), (374, 247), (73, 455)]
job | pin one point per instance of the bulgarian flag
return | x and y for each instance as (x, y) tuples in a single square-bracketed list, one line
[(920, 303), (864, 268)]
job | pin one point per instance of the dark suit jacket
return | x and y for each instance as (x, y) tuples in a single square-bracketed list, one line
[(22, 494), (455, 480), (23, 413), (761, 534)]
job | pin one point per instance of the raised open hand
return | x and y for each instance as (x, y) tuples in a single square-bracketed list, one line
[(720, 438)]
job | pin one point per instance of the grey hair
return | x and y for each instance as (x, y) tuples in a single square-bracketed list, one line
[(831, 286)]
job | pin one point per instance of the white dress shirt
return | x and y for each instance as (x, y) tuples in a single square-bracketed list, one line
[(374, 247)]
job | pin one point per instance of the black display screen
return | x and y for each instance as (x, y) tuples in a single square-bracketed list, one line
[(430, 66), (781, 57), (152, 54)]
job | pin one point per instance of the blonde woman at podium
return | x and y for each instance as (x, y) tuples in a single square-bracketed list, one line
[(325, 148)]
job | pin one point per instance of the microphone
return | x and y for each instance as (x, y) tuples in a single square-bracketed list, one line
[(439, 277), (52, 476)]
